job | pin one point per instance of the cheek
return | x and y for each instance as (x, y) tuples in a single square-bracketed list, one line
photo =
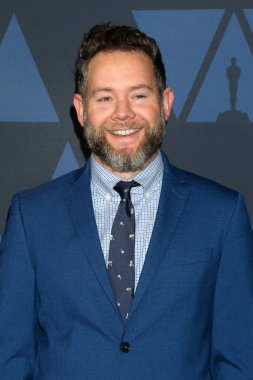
[(150, 114), (96, 117)]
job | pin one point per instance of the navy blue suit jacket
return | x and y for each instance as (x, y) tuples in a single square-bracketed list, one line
[(192, 314)]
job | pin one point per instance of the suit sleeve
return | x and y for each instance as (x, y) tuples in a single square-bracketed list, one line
[(17, 302), (232, 335)]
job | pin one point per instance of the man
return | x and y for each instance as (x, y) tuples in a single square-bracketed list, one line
[(187, 309)]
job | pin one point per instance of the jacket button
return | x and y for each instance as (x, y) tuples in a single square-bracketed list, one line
[(125, 347)]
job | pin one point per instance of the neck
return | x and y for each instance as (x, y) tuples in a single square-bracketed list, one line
[(126, 176)]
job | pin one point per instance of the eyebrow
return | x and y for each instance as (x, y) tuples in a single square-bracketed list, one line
[(132, 88), (141, 86), (101, 89)]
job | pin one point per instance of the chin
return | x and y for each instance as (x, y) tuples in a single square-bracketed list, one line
[(125, 149)]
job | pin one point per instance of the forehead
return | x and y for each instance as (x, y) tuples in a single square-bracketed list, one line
[(119, 67)]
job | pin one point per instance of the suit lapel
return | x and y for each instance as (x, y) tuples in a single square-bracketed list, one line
[(172, 203), (171, 206), (79, 204)]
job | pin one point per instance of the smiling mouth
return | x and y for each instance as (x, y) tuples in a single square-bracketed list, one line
[(125, 132)]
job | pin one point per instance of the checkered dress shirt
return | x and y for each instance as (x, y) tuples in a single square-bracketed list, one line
[(145, 199)]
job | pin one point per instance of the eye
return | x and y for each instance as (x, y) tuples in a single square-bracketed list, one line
[(140, 96), (105, 99)]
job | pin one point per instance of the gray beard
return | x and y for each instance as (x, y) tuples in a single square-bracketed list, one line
[(126, 162)]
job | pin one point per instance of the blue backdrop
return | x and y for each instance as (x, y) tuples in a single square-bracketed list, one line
[(207, 134)]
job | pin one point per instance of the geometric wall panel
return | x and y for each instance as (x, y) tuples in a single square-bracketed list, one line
[(214, 96), (182, 45), (23, 95), (66, 163), (249, 16)]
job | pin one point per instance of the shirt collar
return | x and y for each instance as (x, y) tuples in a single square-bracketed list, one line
[(150, 178)]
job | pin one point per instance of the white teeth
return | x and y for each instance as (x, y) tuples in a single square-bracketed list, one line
[(124, 132)]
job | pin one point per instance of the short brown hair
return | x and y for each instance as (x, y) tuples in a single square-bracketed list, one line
[(108, 37)]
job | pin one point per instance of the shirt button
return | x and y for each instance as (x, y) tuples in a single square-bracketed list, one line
[(125, 347)]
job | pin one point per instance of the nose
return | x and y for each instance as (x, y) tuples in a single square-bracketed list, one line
[(123, 110)]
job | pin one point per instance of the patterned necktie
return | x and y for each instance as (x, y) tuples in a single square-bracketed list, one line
[(121, 266)]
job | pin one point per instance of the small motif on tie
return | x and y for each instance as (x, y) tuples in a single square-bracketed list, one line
[(122, 251), (131, 264), (122, 224), (112, 237), (132, 211), (119, 276), (109, 263), (118, 303), (129, 290), (127, 316), (131, 236)]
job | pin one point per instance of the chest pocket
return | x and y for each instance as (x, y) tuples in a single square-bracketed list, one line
[(190, 255)]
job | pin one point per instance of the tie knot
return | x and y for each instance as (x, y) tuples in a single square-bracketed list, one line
[(124, 188)]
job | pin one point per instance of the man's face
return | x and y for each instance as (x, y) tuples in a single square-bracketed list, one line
[(123, 117)]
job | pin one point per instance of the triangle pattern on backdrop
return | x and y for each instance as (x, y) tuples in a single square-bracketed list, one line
[(249, 16), (214, 95), (66, 163), (23, 96), (184, 37)]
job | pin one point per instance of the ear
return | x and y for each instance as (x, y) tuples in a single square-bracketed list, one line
[(78, 104), (168, 98)]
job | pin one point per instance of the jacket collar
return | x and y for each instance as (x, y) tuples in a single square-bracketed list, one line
[(173, 200)]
